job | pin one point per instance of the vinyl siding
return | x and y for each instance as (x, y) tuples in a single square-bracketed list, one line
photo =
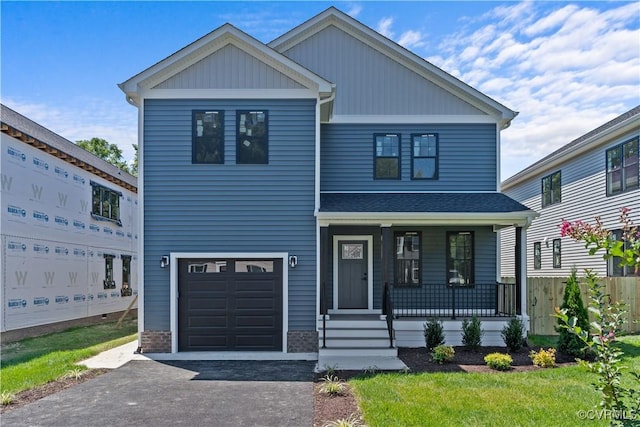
[(583, 198), (229, 207), (370, 82), (434, 262), (229, 68), (467, 158)]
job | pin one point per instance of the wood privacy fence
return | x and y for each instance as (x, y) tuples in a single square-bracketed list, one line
[(544, 294)]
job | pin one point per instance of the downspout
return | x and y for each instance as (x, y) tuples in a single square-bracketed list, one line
[(319, 258)]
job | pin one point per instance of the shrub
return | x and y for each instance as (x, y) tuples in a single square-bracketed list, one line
[(498, 361), (513, 334), (332, 385), (543, 358), (433, 333), (472, 333), (569, 342), (354, 420), (7, 398), (442, 353)]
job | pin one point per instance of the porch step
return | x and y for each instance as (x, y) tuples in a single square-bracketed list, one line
[(357, 351), (357, 341), (343, 332)]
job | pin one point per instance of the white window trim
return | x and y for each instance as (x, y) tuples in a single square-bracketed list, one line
[(369, 240), (176, 256)]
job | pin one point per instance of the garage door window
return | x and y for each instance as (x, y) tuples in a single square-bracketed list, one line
[(207, 266), (254, 266)]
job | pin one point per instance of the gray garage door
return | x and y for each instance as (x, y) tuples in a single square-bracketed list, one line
[(230, 305)]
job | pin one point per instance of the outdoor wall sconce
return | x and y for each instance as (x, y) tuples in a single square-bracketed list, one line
[(164, 261), (293, 261)]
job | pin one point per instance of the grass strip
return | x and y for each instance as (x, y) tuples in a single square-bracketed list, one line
[(36, 361)]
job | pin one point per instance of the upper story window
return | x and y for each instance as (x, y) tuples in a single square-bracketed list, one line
[(622, 167), (252, 137), (460, 263), (557, 253), (208, 137), (424, 156), (387, 156), (551, 192), (105, 203), (537, 256), (407, 266)]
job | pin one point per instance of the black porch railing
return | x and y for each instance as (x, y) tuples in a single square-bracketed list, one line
[(452, 301), (387, 310)]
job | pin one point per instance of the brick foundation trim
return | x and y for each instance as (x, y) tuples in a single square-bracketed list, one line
[(155, 342), (302, 341)]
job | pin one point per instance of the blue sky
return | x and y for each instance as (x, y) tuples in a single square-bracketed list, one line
[(567, 67)]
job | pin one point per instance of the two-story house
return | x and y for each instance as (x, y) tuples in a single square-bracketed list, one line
[(297, 194), (596, 174)]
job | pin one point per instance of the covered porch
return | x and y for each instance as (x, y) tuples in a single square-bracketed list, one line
[(401, 258)]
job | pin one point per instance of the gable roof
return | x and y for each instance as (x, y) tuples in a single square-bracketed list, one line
[(211, 43), (26, 130), (425, 69), (602, 134)]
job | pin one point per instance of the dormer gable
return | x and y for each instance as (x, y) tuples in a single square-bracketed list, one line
[(226, 60)]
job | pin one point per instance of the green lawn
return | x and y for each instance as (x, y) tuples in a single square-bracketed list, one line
[(35, 361), (541, 397)]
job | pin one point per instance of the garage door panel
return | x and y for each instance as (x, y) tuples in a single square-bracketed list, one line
[(226, 310), (208, 321)]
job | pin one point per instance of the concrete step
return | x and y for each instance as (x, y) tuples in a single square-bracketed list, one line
[(358, 352), (355, 324), (342, 342), (355, 333)]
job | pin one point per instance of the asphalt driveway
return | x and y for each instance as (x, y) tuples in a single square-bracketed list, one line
[(192, 393)]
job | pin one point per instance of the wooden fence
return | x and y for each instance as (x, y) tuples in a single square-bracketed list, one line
[(544, 294)]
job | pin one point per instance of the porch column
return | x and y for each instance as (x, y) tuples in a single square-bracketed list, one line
[(323, 263), (385, 252), (521, 271)]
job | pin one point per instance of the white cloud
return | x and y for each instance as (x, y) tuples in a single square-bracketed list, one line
[(411, 39), (384, 27), (566, 68), (354, 10)]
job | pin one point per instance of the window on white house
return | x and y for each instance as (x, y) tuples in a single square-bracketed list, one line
[(557, 253), (537, 256), (105, 203), (551, 189), (623, 167)]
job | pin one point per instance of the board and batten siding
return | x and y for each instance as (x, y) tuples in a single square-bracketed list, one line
[(229, 68), (466, 158), (583, 197), (370, 82), (229, 207)]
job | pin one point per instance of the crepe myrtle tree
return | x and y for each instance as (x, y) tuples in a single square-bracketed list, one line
[(609, 316)]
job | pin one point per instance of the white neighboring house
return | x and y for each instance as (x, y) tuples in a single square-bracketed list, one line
[(595, 175), (68, 229)]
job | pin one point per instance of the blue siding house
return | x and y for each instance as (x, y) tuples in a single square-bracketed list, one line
[(317, 196)]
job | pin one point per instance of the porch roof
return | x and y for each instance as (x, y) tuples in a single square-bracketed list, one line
[(490, 208)]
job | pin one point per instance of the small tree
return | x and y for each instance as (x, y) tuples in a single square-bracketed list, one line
[(513, 334), (472, 333), (105, 150), (433, 333), (568, 342)]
